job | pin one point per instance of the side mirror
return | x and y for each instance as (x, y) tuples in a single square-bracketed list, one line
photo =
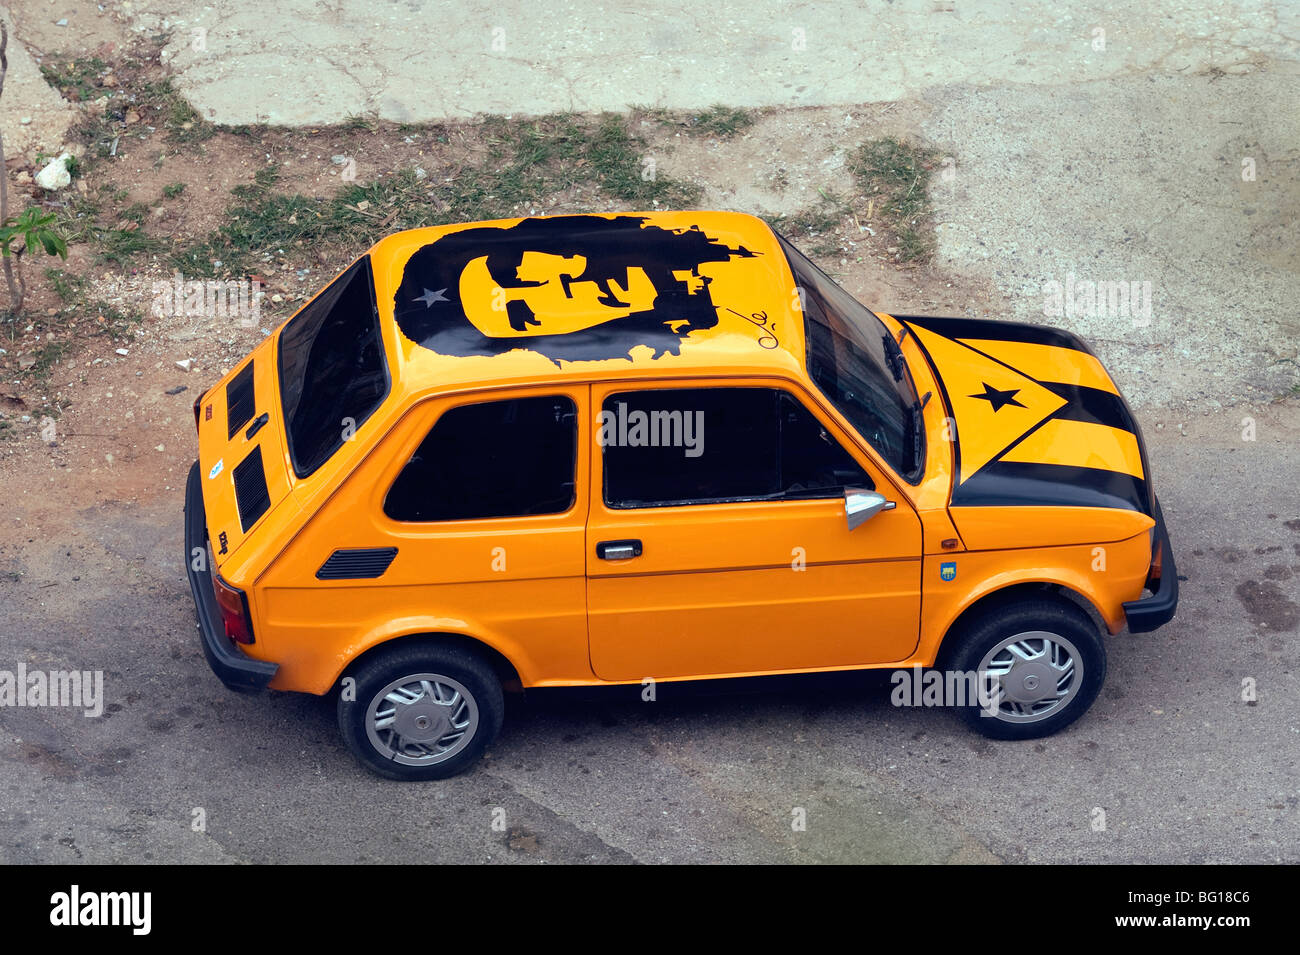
[(861, 505)]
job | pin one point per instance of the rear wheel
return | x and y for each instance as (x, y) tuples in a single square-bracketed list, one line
[(422, 712), (1041, 664)]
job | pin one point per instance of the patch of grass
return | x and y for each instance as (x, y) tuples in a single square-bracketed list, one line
[(261, 223), (181, 121), (117, 236), (80, 319), (97, 131), (47, 355), (621, 170), (67, 285), (531, 159), (359, 123), (267, 176), (173, 190), (121, 246), (657, 114), (524, 163), (75, 78), (895, 175), (117, 323), (720, 120), (717, 120), (821, 219), (135, 212)]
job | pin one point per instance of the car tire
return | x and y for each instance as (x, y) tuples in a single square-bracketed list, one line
[(1024, 647), (420, 712)]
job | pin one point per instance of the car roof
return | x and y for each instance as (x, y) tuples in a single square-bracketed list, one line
[(587, 297)]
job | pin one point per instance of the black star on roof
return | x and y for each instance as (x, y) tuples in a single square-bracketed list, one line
[(999, 398)]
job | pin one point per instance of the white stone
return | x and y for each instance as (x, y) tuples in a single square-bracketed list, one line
[(55, 175)]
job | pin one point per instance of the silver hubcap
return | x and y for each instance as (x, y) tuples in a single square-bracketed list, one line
[(421, 719), (1032, 675)]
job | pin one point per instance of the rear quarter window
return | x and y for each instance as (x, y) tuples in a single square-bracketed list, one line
[(333, 374), (495, 459)]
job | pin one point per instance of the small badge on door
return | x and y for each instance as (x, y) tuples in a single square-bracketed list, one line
[(948, 571)]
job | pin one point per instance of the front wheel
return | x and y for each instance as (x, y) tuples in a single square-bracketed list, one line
[(418, 713), (1041, 665)]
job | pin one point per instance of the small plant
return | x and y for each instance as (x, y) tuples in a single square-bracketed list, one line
[(36, 230), (173, 190)]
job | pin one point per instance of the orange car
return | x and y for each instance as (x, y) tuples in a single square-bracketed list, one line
[(616, 449)]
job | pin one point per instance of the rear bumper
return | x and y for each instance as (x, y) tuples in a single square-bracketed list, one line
[(232, 667), (1147, 614)]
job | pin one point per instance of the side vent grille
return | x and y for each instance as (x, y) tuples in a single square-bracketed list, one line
[(240, 400), (250, 489), (362, 564)]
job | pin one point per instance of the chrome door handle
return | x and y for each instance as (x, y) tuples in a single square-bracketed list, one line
[(618, 550)]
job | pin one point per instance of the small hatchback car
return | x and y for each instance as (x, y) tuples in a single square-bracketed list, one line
[(611, 449)]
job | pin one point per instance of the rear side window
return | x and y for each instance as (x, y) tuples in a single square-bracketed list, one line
[(512, 458), (333, 374), (712, 445)]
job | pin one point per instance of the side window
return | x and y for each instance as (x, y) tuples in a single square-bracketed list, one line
[(711, 445), (511, 458)]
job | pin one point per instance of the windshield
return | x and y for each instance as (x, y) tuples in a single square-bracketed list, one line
[(332, 369), (858, 366)]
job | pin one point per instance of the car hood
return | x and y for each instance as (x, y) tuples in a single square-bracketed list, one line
[(1035, 417)]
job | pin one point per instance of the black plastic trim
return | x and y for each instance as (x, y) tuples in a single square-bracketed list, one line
[(241, 400), (362, 563), (1155, 611), (233, 668), (251, 494)]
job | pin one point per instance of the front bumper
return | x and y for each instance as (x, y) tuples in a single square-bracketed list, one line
[(236, 670), (1155, 611)]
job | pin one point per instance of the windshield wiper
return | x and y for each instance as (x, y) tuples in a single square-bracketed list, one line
[(895, 355), (918, 426)]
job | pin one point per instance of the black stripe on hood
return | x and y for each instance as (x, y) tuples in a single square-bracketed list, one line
[(993, 330), (1010, 483), (1093, 404)]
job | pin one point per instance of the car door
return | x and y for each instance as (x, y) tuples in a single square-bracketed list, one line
[(717, 541), (474, 507)]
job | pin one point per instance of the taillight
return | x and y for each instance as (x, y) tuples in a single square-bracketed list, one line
[(234, 610), (197, 402)]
